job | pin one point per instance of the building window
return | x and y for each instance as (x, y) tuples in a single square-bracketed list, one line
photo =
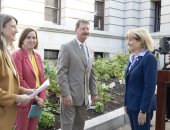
[(99, 15), (157, 16), (98, 54), (53, 11), (51, 54)]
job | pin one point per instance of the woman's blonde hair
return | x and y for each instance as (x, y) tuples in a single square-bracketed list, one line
[(143, 36), (4, 19)]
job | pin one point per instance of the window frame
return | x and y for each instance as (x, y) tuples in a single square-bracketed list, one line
[(99, 15), (157, 17), (54, 8), (50, 51)]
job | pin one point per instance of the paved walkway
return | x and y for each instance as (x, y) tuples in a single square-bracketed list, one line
[(127, 126)]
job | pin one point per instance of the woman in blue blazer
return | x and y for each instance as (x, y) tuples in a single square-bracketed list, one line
[(140, 79)]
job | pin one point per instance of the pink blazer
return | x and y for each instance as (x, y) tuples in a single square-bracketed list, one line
[(25, 70)]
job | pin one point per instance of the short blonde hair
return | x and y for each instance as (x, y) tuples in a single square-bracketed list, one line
[(143, 36)]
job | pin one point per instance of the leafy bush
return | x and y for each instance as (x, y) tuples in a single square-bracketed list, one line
[(53, 108), (118, 65), (47, 120), (99, 107), (52, 104), (50, 70), (103, 96), (105, 69)]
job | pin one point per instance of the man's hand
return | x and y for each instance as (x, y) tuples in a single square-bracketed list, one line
[(93, 98), (68, 102)]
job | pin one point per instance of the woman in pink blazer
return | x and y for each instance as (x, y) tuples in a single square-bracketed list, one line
[(30, 69)]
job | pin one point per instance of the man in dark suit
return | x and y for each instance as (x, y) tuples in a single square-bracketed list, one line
[(76, 78)]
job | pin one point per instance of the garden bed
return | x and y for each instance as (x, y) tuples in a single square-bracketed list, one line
[(116, 94), (110, 91)]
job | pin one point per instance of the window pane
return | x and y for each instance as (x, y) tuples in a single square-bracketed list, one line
[(57, 3), (51, 54), (48, 14), (48, 2), (52, 11), (98, 54), (157, 16), (99, 8), (99, 15)]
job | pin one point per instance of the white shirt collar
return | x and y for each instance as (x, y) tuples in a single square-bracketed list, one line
[(80, 42)]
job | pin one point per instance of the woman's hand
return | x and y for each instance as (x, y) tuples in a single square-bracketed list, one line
[(40, 102), (29, 91), (141, 118), (23, 99)]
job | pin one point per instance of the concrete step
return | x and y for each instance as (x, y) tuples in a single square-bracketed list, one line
[(108, 121)]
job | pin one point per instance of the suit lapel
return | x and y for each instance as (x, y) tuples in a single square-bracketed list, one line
[(77, 48), (134, 65), (127, 69), (26, 58), (37, 62)]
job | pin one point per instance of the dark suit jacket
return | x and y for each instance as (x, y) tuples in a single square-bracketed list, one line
[(140, 84)]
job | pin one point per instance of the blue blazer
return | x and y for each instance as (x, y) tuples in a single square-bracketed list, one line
[(140, 84)]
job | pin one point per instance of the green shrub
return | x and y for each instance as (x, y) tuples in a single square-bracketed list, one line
[(50, 70), (46, 120), (105, 69), (118, 65), (99, 107)]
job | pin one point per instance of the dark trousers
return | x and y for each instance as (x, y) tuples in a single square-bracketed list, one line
[(133, 118), (168, 103)]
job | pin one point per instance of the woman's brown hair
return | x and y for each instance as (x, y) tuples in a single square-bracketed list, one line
[(23, 36)]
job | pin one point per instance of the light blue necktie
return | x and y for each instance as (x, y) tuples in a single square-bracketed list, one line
[(85, 59)]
